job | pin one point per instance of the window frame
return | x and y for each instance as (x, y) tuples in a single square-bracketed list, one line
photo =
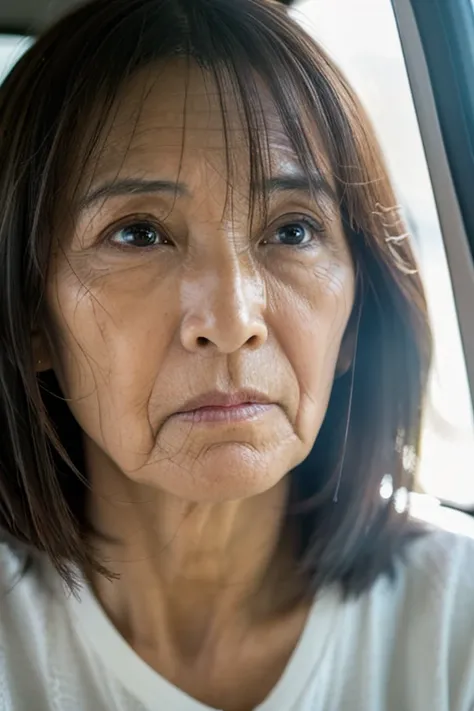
[(436, 67), (14, 31)]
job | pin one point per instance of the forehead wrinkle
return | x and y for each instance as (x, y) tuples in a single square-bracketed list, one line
[(192, 114), (143, 148), (116, 154), (156, 144)]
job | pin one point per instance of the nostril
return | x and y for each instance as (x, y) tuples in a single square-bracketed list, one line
[(202, 342), (253, 341)]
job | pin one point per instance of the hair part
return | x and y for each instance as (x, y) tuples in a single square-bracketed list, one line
[(68, 81)]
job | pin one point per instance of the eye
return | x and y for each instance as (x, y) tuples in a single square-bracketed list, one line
[(298, 232), (140, 235)]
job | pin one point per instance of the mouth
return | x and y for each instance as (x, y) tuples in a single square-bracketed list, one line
[(218, 407)]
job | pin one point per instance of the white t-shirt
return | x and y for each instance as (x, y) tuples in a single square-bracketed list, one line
[(402, 647)]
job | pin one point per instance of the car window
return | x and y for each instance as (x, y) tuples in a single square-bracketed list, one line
[(362, 38), (11, 49)]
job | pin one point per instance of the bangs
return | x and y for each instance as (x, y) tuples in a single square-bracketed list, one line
[(254, 69)]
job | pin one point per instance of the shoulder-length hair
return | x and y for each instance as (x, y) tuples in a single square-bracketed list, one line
[(349, 534)]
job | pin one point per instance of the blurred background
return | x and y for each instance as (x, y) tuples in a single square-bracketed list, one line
[(361, 36)]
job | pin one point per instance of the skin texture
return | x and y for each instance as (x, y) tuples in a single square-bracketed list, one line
[(137, 332)]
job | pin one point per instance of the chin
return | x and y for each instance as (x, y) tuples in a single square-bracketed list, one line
[(225, 472)]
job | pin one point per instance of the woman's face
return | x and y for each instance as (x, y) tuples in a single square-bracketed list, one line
[(160, 293)]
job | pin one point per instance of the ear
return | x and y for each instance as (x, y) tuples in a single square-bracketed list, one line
[(41, 352)]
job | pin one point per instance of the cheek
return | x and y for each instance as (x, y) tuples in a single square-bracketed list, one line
[(109, 345), (311, 328)]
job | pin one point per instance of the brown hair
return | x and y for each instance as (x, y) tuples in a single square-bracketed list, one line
[(349, 534)]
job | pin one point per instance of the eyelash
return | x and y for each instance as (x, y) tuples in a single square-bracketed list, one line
[(147, 222), (299, 220), (128, 223)]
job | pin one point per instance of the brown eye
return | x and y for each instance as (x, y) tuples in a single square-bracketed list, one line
[(296, 233), (139, 234)]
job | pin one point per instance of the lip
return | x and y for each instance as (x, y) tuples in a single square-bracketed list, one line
[(225, 408), (218, 400)]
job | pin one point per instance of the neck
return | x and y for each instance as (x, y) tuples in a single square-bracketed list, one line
[(187, 571)]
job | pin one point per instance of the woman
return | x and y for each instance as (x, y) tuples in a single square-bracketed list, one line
[(214, 350)]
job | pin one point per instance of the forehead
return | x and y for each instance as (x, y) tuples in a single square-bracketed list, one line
[(173, 113)]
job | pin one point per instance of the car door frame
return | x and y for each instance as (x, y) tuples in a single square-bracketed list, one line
[(438, 56)]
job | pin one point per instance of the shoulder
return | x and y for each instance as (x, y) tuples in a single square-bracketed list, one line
[(437, 575), (12, 562), (431, 604), (408, 642), (18, 571), (41, 665), (443, 559), (433, 584), (20, 584), (418, 629), (23, 631), (428, 606), (25, 597)]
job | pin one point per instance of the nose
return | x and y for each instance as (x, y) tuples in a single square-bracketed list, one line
[(224, 309)]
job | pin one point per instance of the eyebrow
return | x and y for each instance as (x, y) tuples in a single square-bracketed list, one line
[(314, 184), (138, 186), (131, 186)]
